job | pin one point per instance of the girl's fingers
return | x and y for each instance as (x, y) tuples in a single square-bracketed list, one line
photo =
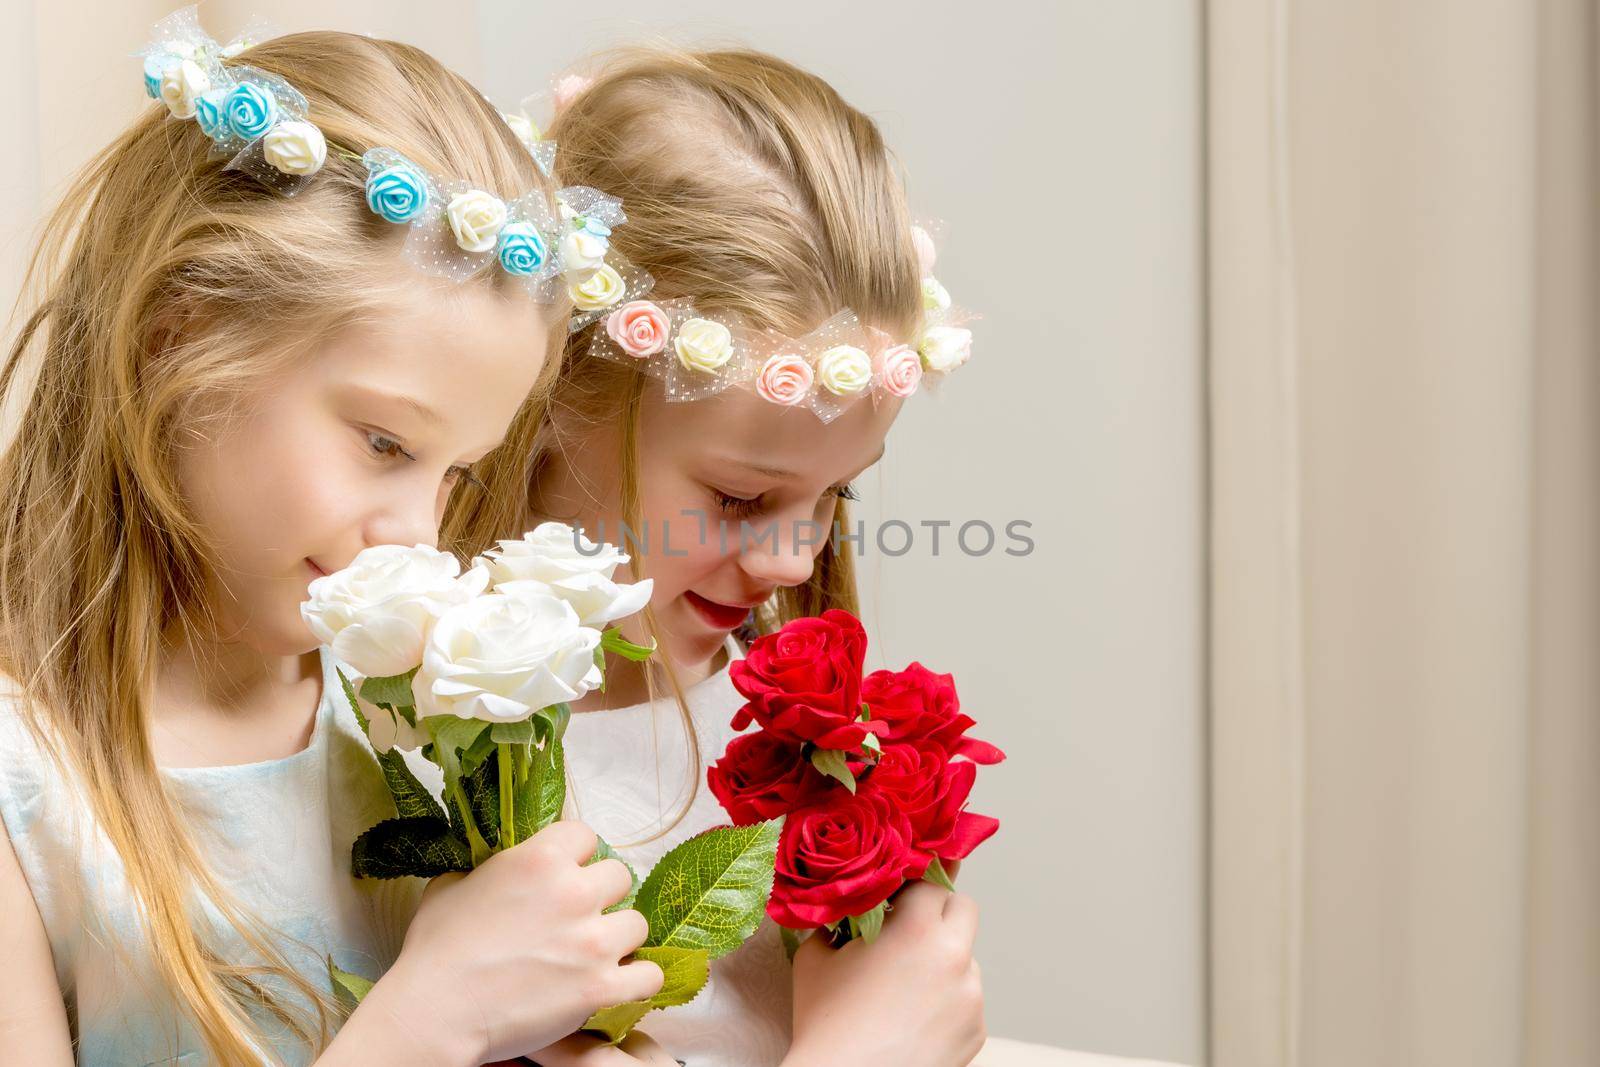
[(961, 918), (637, 980), (643, 1048), (922, 900), (624, 931), (568, 837)]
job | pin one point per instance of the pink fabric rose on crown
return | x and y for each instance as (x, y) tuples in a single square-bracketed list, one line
[(785, 379), (900, 370), (639, 328), (569, 89)]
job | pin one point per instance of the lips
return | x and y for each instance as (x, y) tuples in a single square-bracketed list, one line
[(718, 615)]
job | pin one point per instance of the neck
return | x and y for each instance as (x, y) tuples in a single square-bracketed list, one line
[(200, 670)]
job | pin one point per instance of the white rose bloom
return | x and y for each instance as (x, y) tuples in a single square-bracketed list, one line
[(560, 561), (522, 126), (295, 148), (944, 348), (181, 85), (476, 218), (844, 370), (376, 613), (935, 297), (703, 345), (582, 253), (602, 289), (503, 656)]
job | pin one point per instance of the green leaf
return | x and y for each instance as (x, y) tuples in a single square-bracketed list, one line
[(395, 691), (685, 970), (868, 926), (482, 786), (603, 851), (350, 989), (938, 875), (711, 891), (452, 736), (482, 748), (425, 847), (411, 797), (513, 733), (791, 942), (834, 765), (615, 1023), (544, 793), (613, 641)]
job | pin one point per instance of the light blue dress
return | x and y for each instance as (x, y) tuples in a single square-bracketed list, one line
[(278, 837)]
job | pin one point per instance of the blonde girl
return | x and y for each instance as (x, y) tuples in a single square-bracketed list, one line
[(759, 201), (226, 391)]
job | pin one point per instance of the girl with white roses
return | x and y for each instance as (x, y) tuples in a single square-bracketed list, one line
[(225, 394), (803, 215)]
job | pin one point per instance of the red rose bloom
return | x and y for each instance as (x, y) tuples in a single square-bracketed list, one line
[(922, 783), (804, 682), (842, 857), (762, 776), (917, 705)]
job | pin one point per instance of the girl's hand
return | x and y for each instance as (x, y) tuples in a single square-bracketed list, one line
[(581, 1050), (913, 998), (513, 955)]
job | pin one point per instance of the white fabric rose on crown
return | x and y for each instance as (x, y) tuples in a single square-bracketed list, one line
[(476, 218), (502, 656), (376, 613), (558, 560)]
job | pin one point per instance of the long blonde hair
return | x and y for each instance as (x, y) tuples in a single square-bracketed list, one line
[(158, 279), (753, 188)]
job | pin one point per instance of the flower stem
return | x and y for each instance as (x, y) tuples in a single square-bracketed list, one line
[(480, 847), (508, 797)]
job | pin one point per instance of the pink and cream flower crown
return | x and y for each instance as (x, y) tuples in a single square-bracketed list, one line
[(697, 354), (261, 125)]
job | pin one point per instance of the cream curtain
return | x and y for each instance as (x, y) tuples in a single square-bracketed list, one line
[(1405, 413)]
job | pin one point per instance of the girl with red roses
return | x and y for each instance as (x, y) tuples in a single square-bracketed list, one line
[(762, 204)]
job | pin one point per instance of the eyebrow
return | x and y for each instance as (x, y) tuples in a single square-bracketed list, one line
[(410, 403), (779, 473)]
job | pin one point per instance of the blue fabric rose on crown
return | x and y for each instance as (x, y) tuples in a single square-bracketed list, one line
[(251, 111), (397, 193), (522, 249)]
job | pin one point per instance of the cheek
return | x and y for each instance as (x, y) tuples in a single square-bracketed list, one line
[(265, 497)]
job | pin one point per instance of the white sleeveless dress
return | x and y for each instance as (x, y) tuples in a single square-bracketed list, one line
[(278, 837), (629, 771)]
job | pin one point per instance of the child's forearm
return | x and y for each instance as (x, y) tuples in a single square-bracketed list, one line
[(388, 1028)]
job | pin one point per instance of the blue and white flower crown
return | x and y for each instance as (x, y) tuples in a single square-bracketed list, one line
[(556, 250), (258, 122)]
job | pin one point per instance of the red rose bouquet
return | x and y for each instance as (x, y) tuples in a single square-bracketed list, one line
[(870, 774)]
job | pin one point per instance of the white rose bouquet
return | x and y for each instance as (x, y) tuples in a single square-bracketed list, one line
[(475, 670)]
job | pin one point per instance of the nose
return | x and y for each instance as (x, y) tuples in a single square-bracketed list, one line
[(780, 553), (406, 519)]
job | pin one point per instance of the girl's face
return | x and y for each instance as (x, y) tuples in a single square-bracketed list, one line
[(737, 498), (360, 444)]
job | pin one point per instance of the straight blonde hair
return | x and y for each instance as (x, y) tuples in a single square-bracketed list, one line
[(163, 278)]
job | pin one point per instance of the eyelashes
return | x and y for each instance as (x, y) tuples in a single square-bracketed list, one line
[(387, 447), (743, 507)]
